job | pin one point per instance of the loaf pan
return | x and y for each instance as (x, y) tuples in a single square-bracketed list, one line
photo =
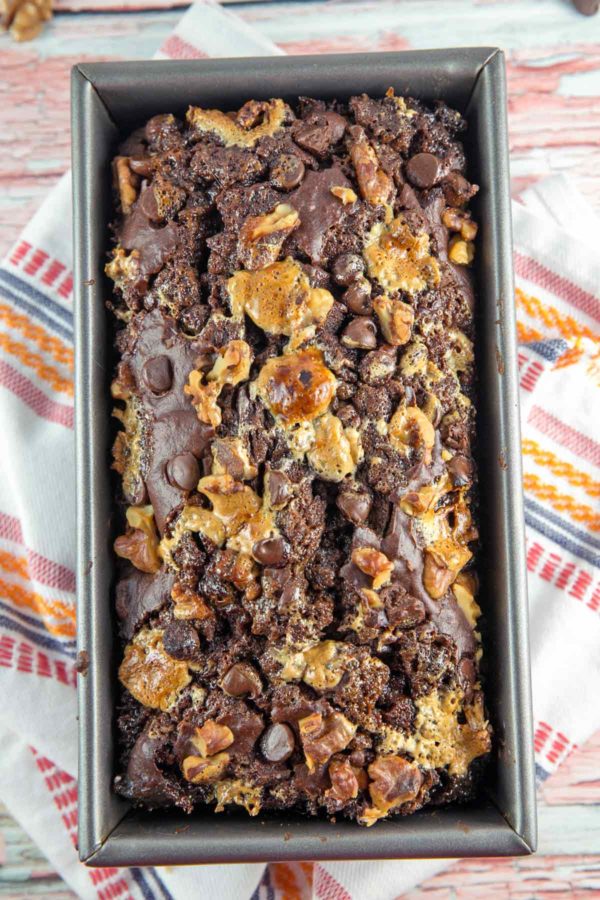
[(109, 100)]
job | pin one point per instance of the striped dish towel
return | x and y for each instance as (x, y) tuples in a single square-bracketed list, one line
[(558, 273)]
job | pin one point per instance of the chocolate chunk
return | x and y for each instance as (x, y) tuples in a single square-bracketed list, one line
[(149, 204), (467, 674), (319, 210), (157, 374), (423, 170), (460, 469), (587, 7), (358, 298), (347, 268), (181, 641), (450, 619), (354, 505), (144, 779), (360, 333), (241, 679), (280, 488), (287, 172), (277, 743), (183, 471), (154, 245), (138, 595), (272, 552), (319, 131)]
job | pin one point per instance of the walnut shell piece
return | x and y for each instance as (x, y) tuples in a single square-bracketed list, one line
[(211, 738), (345, 194), (460, 251), (127, 183), (395, 318), (394, 781), (297, 387), (150, 675), (188, 604), (322, 736), (140, 543), (24, 18)]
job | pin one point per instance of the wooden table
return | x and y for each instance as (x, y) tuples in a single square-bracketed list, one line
[(554, 79)]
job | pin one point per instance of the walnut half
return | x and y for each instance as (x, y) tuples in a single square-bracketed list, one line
[(394, 781), (322, 736)]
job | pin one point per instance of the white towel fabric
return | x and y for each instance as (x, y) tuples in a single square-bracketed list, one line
[(559, 323)]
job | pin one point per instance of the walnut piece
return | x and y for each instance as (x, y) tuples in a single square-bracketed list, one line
[(325, 665), (189, 604), (124, 268), (344, 783), (322, 736), (345, 194), (443, 561), (460, 251), (140, 543), (336, 450), (396, 320), (127, 183), (150, 675), (211, 738), (460, 221), (394, 781), (464, 589), (199, 770), (24, 18), (210, 763), (231, 366), (233, 502), (410, 427), (261, 237), (230, 457), (375, 564), (279, 298), (297, 387), (399, 259), (273, 114), (375, 186)]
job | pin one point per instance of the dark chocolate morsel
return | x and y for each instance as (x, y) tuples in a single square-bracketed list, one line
[(319, 210), (183, 471), (358, 298), (180, 640), (347, 268), (144, 780), (354, 506), (241, 679), (361, 333), (287, 172), (460, 469), (272, 552), (138, 595), (280, 488), (157, 374), (423, 170), (277, 743)]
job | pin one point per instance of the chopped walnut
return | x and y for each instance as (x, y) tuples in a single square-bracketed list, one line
[(375, 564), (230, 457), (140, 543), (127, 183), (443, 561), (394, 781), (124, 268), (273, 114), (204, 771), (189, 604), (150, 675), (261, 237), (231, 367), (375, 186), (410, 427), (296, 387), (396, 319), (417, 503), (336, 450), (345, 194), (210, 763), (325, 665), (24, 18), (460, 221), (399, 259), (460, 251), (233, 502), (211, 738), (279, 298), (323, 736), (464, 589), (344, 783)]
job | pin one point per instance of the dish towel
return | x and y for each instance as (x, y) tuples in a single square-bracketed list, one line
[(558, 274)]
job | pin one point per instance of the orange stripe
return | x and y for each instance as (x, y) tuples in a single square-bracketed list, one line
[(20, 597), (284, 880), (552, 318), (60, 352), (570, 357), (528, 334), (579, 512), (561, 468), (33, 361), (17, 565)]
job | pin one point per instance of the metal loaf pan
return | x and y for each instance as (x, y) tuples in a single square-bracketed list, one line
[(110, 99)]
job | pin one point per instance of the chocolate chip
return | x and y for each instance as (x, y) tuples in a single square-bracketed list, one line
[(181, 641), (277, 743), (141, 165), (271, 552), (347, 268), (355, 506), (460, 469), (242, 679), (587, 7), (280, 488), (423, 170), (183, 471), (360, 333), (358, 298), (157, 374), (287, 172), (149, 204)]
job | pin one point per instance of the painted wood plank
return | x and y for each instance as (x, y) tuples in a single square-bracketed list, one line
[(24, 872)]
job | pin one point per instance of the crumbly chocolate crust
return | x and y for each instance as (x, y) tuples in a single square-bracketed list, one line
[(296, 591)]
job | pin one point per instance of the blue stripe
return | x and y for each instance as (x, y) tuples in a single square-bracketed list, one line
[(566, 526), (161, 886), (565, 543), (36, 313), (540, 774), (18, 284), (550, 350), (138, 877), (39, 639), (29, 620)]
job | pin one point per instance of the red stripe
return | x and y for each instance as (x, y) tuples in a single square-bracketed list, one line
[(534, 271), (326, 887), (36, 262), (34, 398), (42, 569), (52, 272), (22, 656), (568, 437), (65, 288), (20, 252), (177, 48)]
